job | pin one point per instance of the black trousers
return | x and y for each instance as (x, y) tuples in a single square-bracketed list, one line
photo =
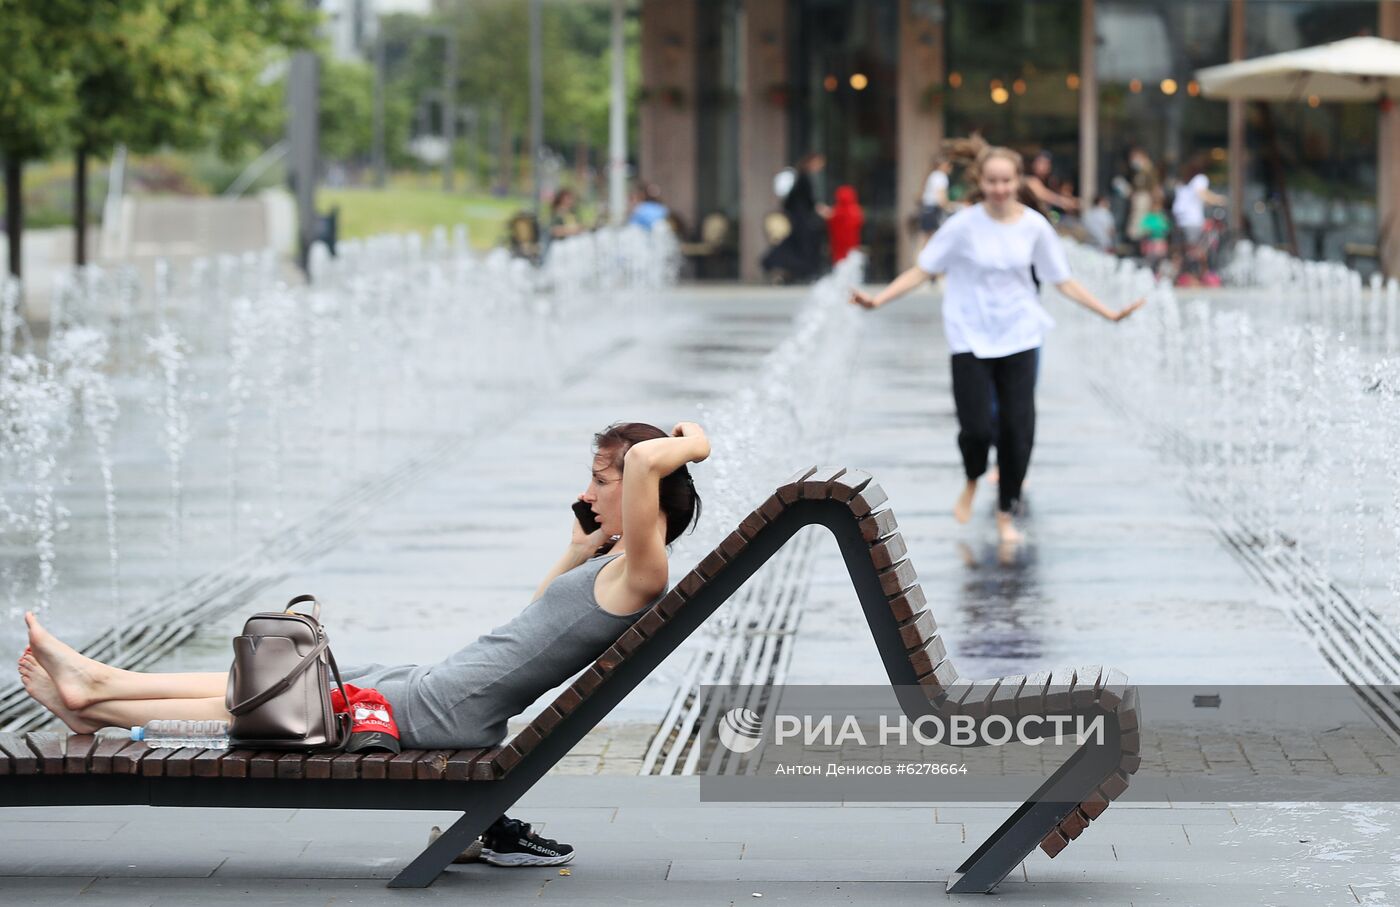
[(1008, 384)]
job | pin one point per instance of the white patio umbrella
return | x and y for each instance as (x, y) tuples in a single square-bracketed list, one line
[(1355, 69)]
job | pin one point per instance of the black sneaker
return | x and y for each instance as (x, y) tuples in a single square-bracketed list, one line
[(510, 842)]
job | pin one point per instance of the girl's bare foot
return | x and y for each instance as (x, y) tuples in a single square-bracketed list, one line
[(962, 510), (1007, 533), (76, 677), (40, 686)]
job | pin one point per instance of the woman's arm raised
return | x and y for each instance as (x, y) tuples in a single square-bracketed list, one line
[(1080, 294), (897, 288), (643, 526)]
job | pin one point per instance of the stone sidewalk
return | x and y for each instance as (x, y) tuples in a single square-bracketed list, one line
[(650, 840)]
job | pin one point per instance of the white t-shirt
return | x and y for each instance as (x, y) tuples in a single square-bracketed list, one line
[(1188, 208), (937, 183), (990, 305)]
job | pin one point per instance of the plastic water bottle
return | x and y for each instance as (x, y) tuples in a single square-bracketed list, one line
[(175, 734)]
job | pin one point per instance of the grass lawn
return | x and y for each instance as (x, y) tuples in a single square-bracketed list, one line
[(403, 209)]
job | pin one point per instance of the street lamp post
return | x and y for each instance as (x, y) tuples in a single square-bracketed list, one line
[(617, 122), (536, 105)]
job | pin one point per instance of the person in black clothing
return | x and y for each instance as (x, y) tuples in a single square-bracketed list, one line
[(799, 256)]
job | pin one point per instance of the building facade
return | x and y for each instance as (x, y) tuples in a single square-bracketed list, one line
[(733, 90)]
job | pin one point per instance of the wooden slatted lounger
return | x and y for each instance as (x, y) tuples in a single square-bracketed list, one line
[(49, 769)]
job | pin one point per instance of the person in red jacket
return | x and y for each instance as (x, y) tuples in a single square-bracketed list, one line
[(844, 225)]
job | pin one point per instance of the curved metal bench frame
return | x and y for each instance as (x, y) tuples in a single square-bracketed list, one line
[(47, 769)]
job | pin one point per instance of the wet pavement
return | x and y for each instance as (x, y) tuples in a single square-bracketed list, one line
[(1119, 567)]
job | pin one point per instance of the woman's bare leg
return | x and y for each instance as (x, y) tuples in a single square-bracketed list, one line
[(137, 712), (81, 681)]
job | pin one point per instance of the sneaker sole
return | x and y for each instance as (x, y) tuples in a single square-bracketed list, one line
[(522, 859)]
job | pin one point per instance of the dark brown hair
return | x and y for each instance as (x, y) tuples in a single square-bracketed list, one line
[(677, 496)]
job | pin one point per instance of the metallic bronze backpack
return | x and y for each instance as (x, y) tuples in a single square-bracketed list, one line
[(279, 688)]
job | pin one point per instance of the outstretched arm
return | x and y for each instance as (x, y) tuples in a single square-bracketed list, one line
[(643, 468), (897, 288), (1080, 294)]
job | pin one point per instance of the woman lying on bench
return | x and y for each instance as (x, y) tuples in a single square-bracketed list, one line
[(642, 497)]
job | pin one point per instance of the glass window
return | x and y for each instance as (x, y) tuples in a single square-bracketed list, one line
[(1311, 162), (1012, 75)]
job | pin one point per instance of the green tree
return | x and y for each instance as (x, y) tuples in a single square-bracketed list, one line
[(36, 96), (347, 113), (174, 73)]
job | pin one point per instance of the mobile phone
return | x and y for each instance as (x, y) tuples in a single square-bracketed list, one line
[(585, 516)]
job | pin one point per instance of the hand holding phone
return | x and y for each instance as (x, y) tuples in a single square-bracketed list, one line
[(584, 514)]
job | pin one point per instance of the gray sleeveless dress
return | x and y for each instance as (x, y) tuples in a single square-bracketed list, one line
[(465, 700)]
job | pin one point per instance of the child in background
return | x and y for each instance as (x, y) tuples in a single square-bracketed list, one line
[(844, 226), (1155, 231)]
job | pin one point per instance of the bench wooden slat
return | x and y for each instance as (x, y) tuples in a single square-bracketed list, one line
[(1095, 805), (77, 752), (526, 740), (650, 622), (375, 766), (977, 702), (938, 681), (751, 525), (630, 641), (609, 660), (567, 700), (772, 508), (291, 766), (817, 486), (506, 758), (401, 766), (711, 565), (433, 765), (1114, 688), (264, 764), (1086, 687), (851, 483), (484, 768), (917, 631), (928, 656), (21, 758), (236, 763), (460, 762), (888, 552), (864, 503), (791, 490), (907, 603), (1031, 699), (1003, 701), (1057, 693), (878, 525), (100, 760), (206, 764), (127, 760), (1053, 843), (1073, 825), (1128, 711), (895, 579), (180, 764), (48, 747), (1114, 786), (318, 766), (1130, 763), (733, 543), (346, 766), (670, 605), (153, 763)]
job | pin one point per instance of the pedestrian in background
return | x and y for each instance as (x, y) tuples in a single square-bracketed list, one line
[(844, 226)]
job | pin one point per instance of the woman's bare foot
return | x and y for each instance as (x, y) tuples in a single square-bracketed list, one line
[(40, 686), (76, 677), (962, 510), (1007, 533)]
